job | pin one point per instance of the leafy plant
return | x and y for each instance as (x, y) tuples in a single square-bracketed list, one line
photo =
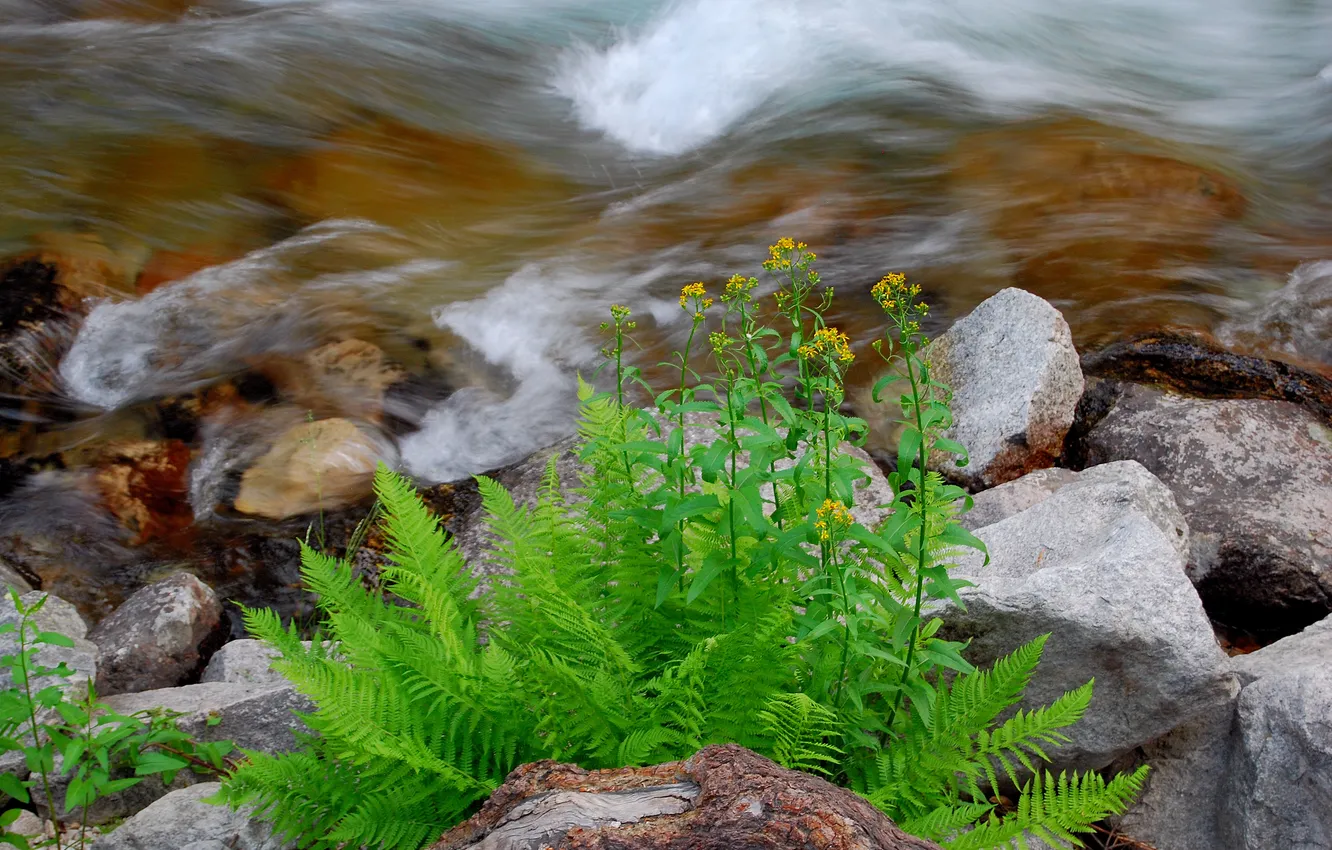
[(708, 582), (95, 747)]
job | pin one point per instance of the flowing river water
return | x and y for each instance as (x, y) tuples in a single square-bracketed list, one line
[(469, 184)]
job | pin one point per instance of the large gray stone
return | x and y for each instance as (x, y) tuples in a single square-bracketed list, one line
[(1180, 806), (59, 616), (1016, 382), (253, 717), (156, 638), (1099, 564), (1279, 788), (1255, 772), (1000, 503), (182, 821), (1254, 479), (245, 661)]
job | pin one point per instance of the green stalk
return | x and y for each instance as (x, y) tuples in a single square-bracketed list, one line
[(32, 719), (924, 521), (680, 417), (747, 323)]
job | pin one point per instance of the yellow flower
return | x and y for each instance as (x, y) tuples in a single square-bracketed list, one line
[(832, 516), (693, 290), (827, 342)]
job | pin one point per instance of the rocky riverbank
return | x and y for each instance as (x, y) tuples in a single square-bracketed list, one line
[(1175, 546)]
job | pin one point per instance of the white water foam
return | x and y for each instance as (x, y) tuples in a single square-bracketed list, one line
[(531, 327), (698, 68), (268, 302)]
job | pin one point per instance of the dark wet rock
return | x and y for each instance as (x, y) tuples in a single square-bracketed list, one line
[(1195, 365), (724, 797), (1254, 479), (10, 578), (160, 637)]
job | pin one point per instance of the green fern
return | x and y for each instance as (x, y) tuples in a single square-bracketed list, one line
[(675, 598)]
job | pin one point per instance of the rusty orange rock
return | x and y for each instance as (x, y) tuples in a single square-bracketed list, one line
[(145, 483), (1088, 212), (403, 176)]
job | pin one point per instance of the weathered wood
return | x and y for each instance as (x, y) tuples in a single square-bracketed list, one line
[(723, 798)]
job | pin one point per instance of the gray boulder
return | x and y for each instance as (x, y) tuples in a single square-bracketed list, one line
[(183, 821), (255, 718), (156, 639), (1279, 788), (1254, 479), (1180, 806), (246, 662), (1099, 564), (56, 615), (1016, 382), (1255, 772), (1000, 503)]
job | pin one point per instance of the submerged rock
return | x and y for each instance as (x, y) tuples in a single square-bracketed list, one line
[(159, 637), (1016, 383), (146, 485), (1254, 479), (722, 798), (321, 465)]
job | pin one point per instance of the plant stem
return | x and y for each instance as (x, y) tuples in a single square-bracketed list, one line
[(680, 421), (32, 719), (920, 508)]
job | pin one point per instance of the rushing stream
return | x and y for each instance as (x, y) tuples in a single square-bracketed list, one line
[(470, 183)]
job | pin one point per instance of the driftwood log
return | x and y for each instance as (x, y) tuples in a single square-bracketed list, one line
[(723, 798)]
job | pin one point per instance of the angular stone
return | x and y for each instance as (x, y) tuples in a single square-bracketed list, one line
[(1000, 503), (245, 662), (321, 465), (1254, 479), (253, 717), (258, 718), (1279, 789), (183, 821), (1099, 565), (58, 616), (1016, 383), (1180, 806), (158, 637), (722, 798)]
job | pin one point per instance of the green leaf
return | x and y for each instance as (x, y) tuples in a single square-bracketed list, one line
[(53, 639), (10, 784), (157, 762)]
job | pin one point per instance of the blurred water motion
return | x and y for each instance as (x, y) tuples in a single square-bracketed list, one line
[(467, 185)]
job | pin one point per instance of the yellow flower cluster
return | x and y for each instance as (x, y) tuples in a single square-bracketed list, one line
[(699, 294), (780, 255), (738, 287), (720, 341), (832, 516), (827, 342), (894, 295)]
